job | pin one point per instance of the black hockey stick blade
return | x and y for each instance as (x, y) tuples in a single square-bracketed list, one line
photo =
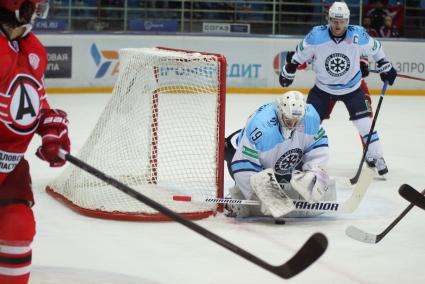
[(354, 179), (308, 254), (412, 195), (362, 236), (314, 247)]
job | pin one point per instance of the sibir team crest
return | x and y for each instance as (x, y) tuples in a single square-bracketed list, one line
[(337, 64), (288, 161)]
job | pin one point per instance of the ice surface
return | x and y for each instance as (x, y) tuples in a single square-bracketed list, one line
[(70, 247)]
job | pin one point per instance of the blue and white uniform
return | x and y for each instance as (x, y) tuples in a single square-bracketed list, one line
[(337, 64), (261, 145)]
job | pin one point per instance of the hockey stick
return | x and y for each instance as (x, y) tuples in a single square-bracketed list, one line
[(354, 179), (309, 252), (347, 206), (413, 196), (362, 236), (402, 76)]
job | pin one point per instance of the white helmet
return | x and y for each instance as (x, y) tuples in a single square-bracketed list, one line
[(290, 109), (340, 11)]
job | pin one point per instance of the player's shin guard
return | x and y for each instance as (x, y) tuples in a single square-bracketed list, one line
[(17, 230), (374, 155)]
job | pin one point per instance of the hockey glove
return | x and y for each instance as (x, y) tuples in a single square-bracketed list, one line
[(386, 71), (364, 68), (286, 77), (53, 129)]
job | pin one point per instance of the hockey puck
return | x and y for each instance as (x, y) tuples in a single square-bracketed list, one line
[(279, 222)]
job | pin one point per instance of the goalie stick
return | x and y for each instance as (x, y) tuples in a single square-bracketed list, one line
[(413, 196), (312, 249), (362, 236), (347, 206), (354, 179)]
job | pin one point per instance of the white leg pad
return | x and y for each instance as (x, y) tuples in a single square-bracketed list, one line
[(274, 200), (311, 185)]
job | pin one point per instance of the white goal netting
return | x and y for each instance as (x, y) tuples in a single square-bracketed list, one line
[(161, 133)]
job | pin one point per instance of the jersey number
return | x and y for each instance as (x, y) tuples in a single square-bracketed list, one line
[(255, 134)]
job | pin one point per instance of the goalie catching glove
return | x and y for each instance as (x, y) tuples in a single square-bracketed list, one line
[(311, 185), (53, 129)]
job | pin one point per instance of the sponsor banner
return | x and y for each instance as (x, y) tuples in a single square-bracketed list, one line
[(220, 28), (8, 161), (252, 62), (50, 25), (59, 62), (153, 26)]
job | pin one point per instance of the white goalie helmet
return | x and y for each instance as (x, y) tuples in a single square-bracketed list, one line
[(339, 11), (290, 108)]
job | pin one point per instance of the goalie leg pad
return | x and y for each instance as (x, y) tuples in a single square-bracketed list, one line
[(274, 200), (17, 230), (311, 185), (237, 210)]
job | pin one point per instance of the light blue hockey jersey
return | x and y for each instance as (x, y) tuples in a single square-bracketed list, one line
[(260, 145), (337, 65)]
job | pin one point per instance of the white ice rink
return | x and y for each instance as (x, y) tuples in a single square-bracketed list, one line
[(70, 248)]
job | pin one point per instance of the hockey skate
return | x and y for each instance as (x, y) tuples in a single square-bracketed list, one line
[(379, 164)]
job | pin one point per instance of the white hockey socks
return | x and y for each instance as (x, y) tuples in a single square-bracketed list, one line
[(274, 200)]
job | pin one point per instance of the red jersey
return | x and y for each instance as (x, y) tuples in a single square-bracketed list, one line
[(22, 95)]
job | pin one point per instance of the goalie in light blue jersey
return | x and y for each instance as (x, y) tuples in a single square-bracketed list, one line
[(335, 51), (280, 155)]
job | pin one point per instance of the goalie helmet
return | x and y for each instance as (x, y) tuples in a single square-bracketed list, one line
[(17, 13), (339, 11), (290, 108)]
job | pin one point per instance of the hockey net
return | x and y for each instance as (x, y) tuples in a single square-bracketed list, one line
[(161, 133)]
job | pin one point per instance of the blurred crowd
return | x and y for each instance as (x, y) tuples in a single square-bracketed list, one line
[(381, 18)]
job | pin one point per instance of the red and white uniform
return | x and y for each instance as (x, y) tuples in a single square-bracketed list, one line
[(22, 96)]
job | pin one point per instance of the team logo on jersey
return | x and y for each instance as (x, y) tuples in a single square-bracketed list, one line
[(34, 60), (24, 104), (288, 161), (337, 64)]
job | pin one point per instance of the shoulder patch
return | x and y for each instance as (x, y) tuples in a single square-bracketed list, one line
[(250, 152), (319, 134)]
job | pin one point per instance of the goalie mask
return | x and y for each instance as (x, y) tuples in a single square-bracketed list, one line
[(339, 18), (290, 108), (22, 13)]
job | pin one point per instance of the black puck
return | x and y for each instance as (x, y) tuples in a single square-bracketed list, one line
[(279, 222)]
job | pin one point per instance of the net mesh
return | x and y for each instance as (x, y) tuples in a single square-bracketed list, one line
[(158, 134)]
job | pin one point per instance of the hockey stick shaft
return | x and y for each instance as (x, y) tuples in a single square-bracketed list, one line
[(301, 205), (354, 179), (398, 219), (308, 254), (413, 196), (366, 237), (403, 76)]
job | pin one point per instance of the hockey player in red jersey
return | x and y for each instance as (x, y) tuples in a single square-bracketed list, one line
[(24, 111)]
